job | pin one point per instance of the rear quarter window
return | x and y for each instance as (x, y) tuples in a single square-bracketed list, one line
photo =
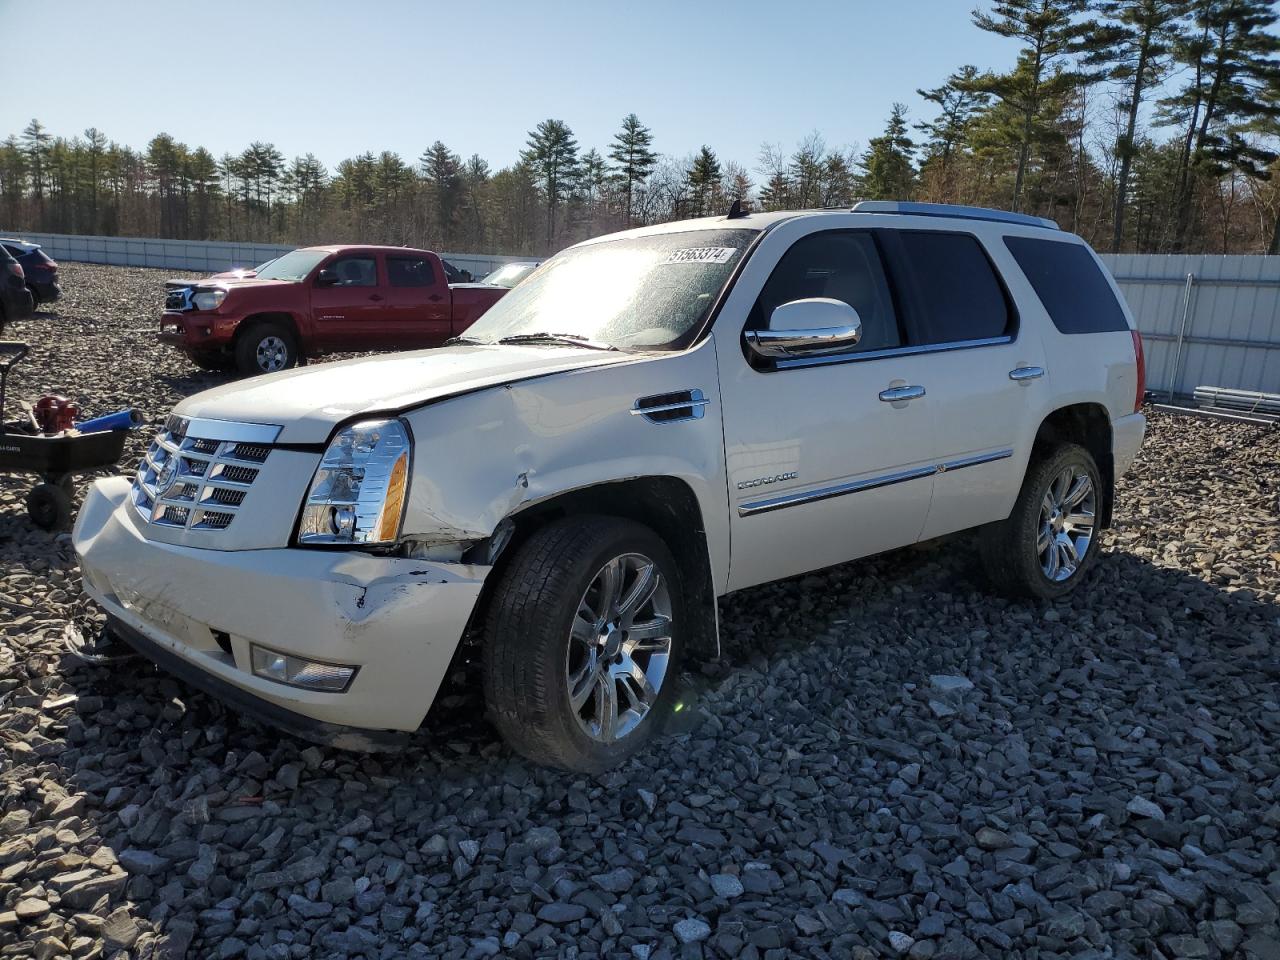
[(1070, 285)]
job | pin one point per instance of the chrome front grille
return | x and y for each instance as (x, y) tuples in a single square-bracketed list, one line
[(197, 473)]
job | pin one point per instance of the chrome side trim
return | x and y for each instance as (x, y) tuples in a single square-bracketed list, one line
[(826, 493), (974, 460), (797, 497), (891, 352)]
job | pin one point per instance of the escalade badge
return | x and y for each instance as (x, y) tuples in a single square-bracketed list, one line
[(167, 475), (765, 481)]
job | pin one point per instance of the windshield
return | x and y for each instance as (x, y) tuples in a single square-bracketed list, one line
[(509, 274), (292, 266), (642, 293)]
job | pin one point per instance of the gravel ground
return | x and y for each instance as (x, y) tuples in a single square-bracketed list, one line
[(888, 761)]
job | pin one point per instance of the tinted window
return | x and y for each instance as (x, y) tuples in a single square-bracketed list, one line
[(954, 289), (355, 272), (15, 251), (1070, 284), (410, 272), (843, 266)]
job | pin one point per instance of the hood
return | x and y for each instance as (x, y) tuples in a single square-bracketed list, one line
[(308, 402)]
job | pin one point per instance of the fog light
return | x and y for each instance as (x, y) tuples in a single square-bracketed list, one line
[(297, 672)]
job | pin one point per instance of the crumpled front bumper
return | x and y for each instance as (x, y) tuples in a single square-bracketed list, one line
[(399, 621)]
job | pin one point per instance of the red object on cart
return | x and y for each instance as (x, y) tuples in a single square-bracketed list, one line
[(54, 413)]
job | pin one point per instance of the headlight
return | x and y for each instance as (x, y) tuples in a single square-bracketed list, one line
[(209, 299), (357, 494)]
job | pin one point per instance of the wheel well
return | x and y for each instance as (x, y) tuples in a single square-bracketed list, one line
[(258, 319), (1089, 425), (665, 505)]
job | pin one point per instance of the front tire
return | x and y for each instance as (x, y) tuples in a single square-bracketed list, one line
[(582, 643), (1050, 540), (266, 348)]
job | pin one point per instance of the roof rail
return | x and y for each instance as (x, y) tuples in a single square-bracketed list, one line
[(951, 210)]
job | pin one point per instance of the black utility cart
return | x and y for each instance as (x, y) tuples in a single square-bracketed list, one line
[(53, 458)]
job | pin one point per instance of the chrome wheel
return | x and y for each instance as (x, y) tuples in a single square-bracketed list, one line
[(619, 647), (1066, 523), (272, 354)]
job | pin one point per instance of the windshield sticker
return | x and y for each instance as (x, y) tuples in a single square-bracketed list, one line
[(701, 255)]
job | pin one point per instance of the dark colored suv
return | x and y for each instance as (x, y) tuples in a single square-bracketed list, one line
[(15, 298), (39, 267)]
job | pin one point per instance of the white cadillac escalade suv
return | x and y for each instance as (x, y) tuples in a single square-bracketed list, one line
[(651, 420)]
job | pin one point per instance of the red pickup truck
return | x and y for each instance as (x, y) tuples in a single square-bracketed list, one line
[(320, 300)]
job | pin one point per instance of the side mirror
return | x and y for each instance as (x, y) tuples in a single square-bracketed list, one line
[(326, 278), (466, 276), (814, 327)]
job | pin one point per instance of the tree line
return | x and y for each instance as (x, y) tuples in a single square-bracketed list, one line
[(1148, 126)]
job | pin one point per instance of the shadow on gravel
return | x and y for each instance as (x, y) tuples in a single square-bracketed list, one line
[(818, 749)]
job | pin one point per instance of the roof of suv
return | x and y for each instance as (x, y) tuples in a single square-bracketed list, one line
[(764, 220)]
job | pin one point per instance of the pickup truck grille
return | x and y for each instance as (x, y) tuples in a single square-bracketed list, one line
[(179, 299), (198, 482)]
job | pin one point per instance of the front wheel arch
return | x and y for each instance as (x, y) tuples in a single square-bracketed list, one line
[(665, 504)]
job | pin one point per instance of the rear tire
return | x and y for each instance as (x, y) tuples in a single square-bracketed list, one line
[(580, 663), (266, 348), (1050, 540)]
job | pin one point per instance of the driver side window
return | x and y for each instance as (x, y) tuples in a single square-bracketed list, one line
[(355, 272), (842, 265)]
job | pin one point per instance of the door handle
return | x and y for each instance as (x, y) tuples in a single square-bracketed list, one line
[(1026, 373), (893, 394), (435, 298), (375, 296)]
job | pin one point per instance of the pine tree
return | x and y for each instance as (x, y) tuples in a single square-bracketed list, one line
[(634, 159), (552, 153), (959, 99), (704, 182), (887, 173), (442, 174), (1050, 33), (1131, 46), (35, 142), (1231, 58)]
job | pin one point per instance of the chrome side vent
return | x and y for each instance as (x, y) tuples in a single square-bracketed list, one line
[(671, 407)]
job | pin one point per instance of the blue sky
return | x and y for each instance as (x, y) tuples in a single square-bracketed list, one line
[(339, 78)]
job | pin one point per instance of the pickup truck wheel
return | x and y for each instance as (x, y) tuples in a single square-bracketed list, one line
[(582, 643), (266, 348), (1050, 539)]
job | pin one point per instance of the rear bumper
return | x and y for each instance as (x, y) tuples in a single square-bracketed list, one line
[(46, 291), (397, 621), (1126, 440)]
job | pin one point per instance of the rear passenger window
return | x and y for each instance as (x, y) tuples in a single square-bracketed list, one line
[(841, 265), (410, 272), (1070, 284), (955, 290)]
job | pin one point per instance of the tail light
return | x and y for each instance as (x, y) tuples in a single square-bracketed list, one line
[(1141, 361), (52, 265), (15, 268)]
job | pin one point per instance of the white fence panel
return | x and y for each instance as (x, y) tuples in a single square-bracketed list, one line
[(201, 256), (1205, 320)]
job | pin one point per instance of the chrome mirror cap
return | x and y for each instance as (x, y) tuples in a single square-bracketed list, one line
[(813, 327)]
